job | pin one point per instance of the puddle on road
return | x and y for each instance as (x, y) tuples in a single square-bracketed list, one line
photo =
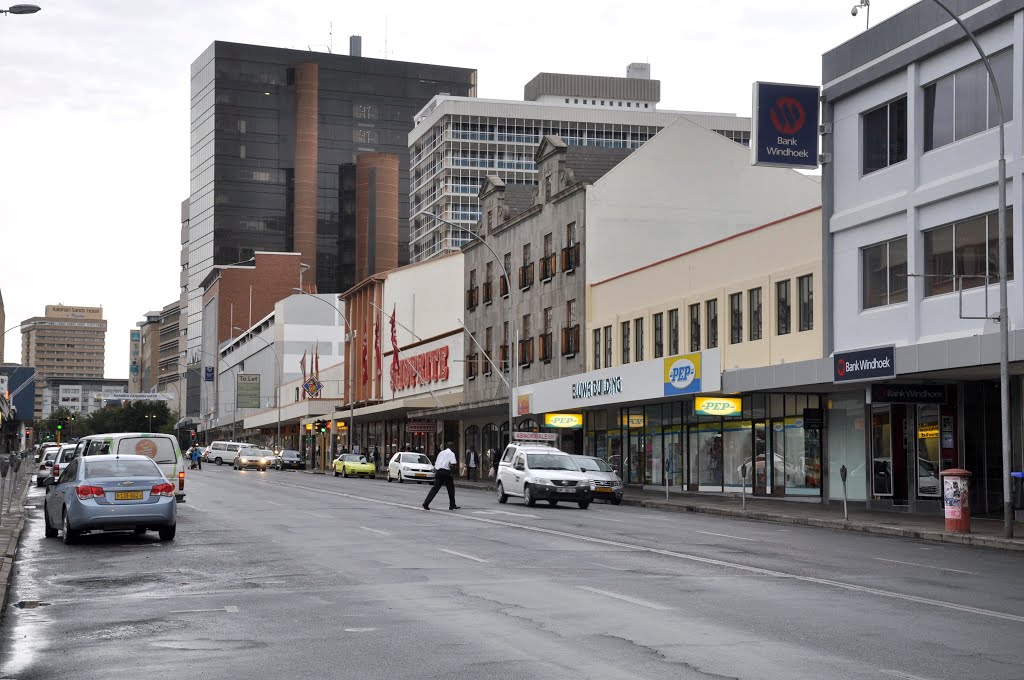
[(30, 604)]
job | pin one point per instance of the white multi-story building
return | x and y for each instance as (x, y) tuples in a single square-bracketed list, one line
[(458, 141)]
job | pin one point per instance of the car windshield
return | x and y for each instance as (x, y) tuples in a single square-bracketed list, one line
[(160, 449), (592, 464), (353, 458), (550, 461), (289, 455), (95, 469), (266, 452), (415, 458)]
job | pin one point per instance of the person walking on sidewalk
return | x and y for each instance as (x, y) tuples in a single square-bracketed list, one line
[(443, 470), (471, 464)]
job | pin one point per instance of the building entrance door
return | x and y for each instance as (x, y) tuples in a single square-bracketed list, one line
[(777, 446)]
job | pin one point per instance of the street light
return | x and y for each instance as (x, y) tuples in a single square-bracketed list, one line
[(149, 417), (21, 9), (511, 321), (277, 384), (351, 369)]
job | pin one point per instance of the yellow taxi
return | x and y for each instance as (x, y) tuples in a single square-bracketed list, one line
[(353, 465)]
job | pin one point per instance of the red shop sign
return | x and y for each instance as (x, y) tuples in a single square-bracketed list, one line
[(429, 367)]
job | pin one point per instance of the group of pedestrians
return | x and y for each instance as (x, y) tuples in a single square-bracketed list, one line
[(195, 455)]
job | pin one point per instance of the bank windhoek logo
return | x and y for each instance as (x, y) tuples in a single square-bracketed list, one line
[(841, 366)]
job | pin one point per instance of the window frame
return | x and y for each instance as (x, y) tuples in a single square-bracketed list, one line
[(638, 338), (805, 307), (889, 275), (597, 348), (736, 318), (673, 332), (658, 329), (991, 235), (783, 308), (754, 322), (927, 132), (624, 332), (695, 339), (889, 160), (711, 323)]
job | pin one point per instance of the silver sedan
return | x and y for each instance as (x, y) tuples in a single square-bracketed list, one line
[(109, 493)]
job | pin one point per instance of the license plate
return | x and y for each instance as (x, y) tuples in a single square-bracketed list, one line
[(420, 474), (565, 490), (127, 495), (604, 488)]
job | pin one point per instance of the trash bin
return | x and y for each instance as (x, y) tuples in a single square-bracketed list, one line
[(955, 500), (1017, 491)]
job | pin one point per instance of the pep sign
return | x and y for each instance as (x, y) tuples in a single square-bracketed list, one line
[(682, 374)]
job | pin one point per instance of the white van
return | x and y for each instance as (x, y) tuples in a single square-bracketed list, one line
[(162, 448), (224, 452)]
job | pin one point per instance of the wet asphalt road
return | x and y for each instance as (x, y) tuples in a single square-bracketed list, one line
[(290, 575)]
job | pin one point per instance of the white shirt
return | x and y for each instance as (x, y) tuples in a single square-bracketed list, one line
[(445, 460)]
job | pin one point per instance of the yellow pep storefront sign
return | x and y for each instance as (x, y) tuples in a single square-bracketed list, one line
[(718, 406), (571, 421), (633, 420)]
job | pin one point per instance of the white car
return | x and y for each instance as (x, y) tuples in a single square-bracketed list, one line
[(414, 467), (537, 472)]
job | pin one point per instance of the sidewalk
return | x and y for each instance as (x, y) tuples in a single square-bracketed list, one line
[(11, 525), (985, 532)]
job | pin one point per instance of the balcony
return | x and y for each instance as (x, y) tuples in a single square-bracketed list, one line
[(548, 267), (545, 347), (488, 296), (526, 352), (503, 287), (505, 358), (471, 366), (570, 258), (472, 296), (526, 274), (570, 341)]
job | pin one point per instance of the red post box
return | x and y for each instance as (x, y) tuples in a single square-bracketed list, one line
[(955, 500)]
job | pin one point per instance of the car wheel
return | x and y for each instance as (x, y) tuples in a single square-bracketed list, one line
[(139, 531), (528, 498), (617, 501), (584, 505), (502, 496), (219, 461), (70, 535), (335, 472), (389, 477), (48, 531), (167, 533), (401, 480), (373, 476), (552, 503)]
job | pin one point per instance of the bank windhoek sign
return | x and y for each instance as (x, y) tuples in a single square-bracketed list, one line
[(864, 364)]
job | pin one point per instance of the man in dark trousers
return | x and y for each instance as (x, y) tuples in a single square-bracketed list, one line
[(443, 471)]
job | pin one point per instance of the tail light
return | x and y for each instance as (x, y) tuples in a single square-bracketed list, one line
[(181, 480), (56, 470), (165, 489), (86, 492)]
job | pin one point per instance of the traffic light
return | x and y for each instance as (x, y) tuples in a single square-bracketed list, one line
[(321, 426), (192, 435)]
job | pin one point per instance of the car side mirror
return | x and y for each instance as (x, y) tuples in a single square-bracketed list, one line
[(47, 482), (48, 464)]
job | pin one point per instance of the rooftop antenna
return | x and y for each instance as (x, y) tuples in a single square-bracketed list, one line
[(385, 37)]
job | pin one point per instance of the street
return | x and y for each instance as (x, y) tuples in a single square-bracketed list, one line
[(292, 575)]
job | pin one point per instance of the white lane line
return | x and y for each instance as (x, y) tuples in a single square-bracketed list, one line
[(902, 676), (360, 630), (458, 554), (928, 566), (625, 598), (738, 538), (280, 505), (376, 531), (678, 555), (504, 512), (228, 609), (606, 519), (608, 566)]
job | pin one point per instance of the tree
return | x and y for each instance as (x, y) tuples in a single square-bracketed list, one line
[(133, 416)]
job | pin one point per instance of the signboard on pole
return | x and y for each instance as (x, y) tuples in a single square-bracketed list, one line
[(247, 390), (208, 373), (784, 132)]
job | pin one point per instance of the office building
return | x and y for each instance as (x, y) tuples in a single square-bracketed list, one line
[(156, 354), (65, 341), (82, 396), (274, 135), (458, 141)]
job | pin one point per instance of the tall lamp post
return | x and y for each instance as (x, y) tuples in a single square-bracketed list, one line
[(511, 320), (351, 367), (277, 383)]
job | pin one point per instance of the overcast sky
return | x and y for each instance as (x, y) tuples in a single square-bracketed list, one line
[(94, 107)]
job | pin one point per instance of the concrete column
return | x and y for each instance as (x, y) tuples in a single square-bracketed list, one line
[(306, 139)]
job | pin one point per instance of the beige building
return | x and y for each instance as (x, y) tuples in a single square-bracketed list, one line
[(66, 341)]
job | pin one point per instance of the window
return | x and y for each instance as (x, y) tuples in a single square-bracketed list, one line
[(782, 307), (607, 346), (885, 273), (570, 234), (547, 186), (570, 313), (549, 319), (597, 348), (736, 318), (673, 332), (488, 357), (963, 103), (966, 254), (490, 218), (754, 302), (659, 332), (638, 332), (526, 254), (505, 282), (625, 342), (712, 323), (695, 328), (526, 327), (805, 289), (885, 135), (547, 244)]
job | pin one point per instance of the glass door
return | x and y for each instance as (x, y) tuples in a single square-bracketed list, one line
[(762, 472), (928, 452)]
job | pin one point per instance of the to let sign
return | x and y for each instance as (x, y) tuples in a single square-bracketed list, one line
[(785, 126), (864, 364)]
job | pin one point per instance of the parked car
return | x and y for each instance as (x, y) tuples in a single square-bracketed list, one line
[(414, 467), (162, 449), (110, 493), (252, 457), (221, 452), (42, 448), (353, 465), (46, 462), (542, 473), (607, 483), (65, 454), (289, 459)]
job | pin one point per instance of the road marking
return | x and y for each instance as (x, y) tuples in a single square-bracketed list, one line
[(229, 609), (280, 505), (760, 571), (504, 512), (608, 566), (468, 557), (903, 676), (625, 598), (376, 531), (738, 538), (928, 566), (360, 630), (606, 519)]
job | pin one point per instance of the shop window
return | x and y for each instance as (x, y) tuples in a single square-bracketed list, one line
[(754, 322), (659, 332), (782, 314), (963, 103), (735, 318), (966, 254), (885, 135), (638, 332), (711, 316), (885, 273), (805, 289), (625, 342), (695, 328)]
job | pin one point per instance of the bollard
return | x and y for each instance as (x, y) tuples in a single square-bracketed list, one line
[(842, 476), (743, 485), (5, 466)]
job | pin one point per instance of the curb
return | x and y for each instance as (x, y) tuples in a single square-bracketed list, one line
[(11, 549)]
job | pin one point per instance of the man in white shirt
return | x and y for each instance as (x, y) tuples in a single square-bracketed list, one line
[(443, 471)]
